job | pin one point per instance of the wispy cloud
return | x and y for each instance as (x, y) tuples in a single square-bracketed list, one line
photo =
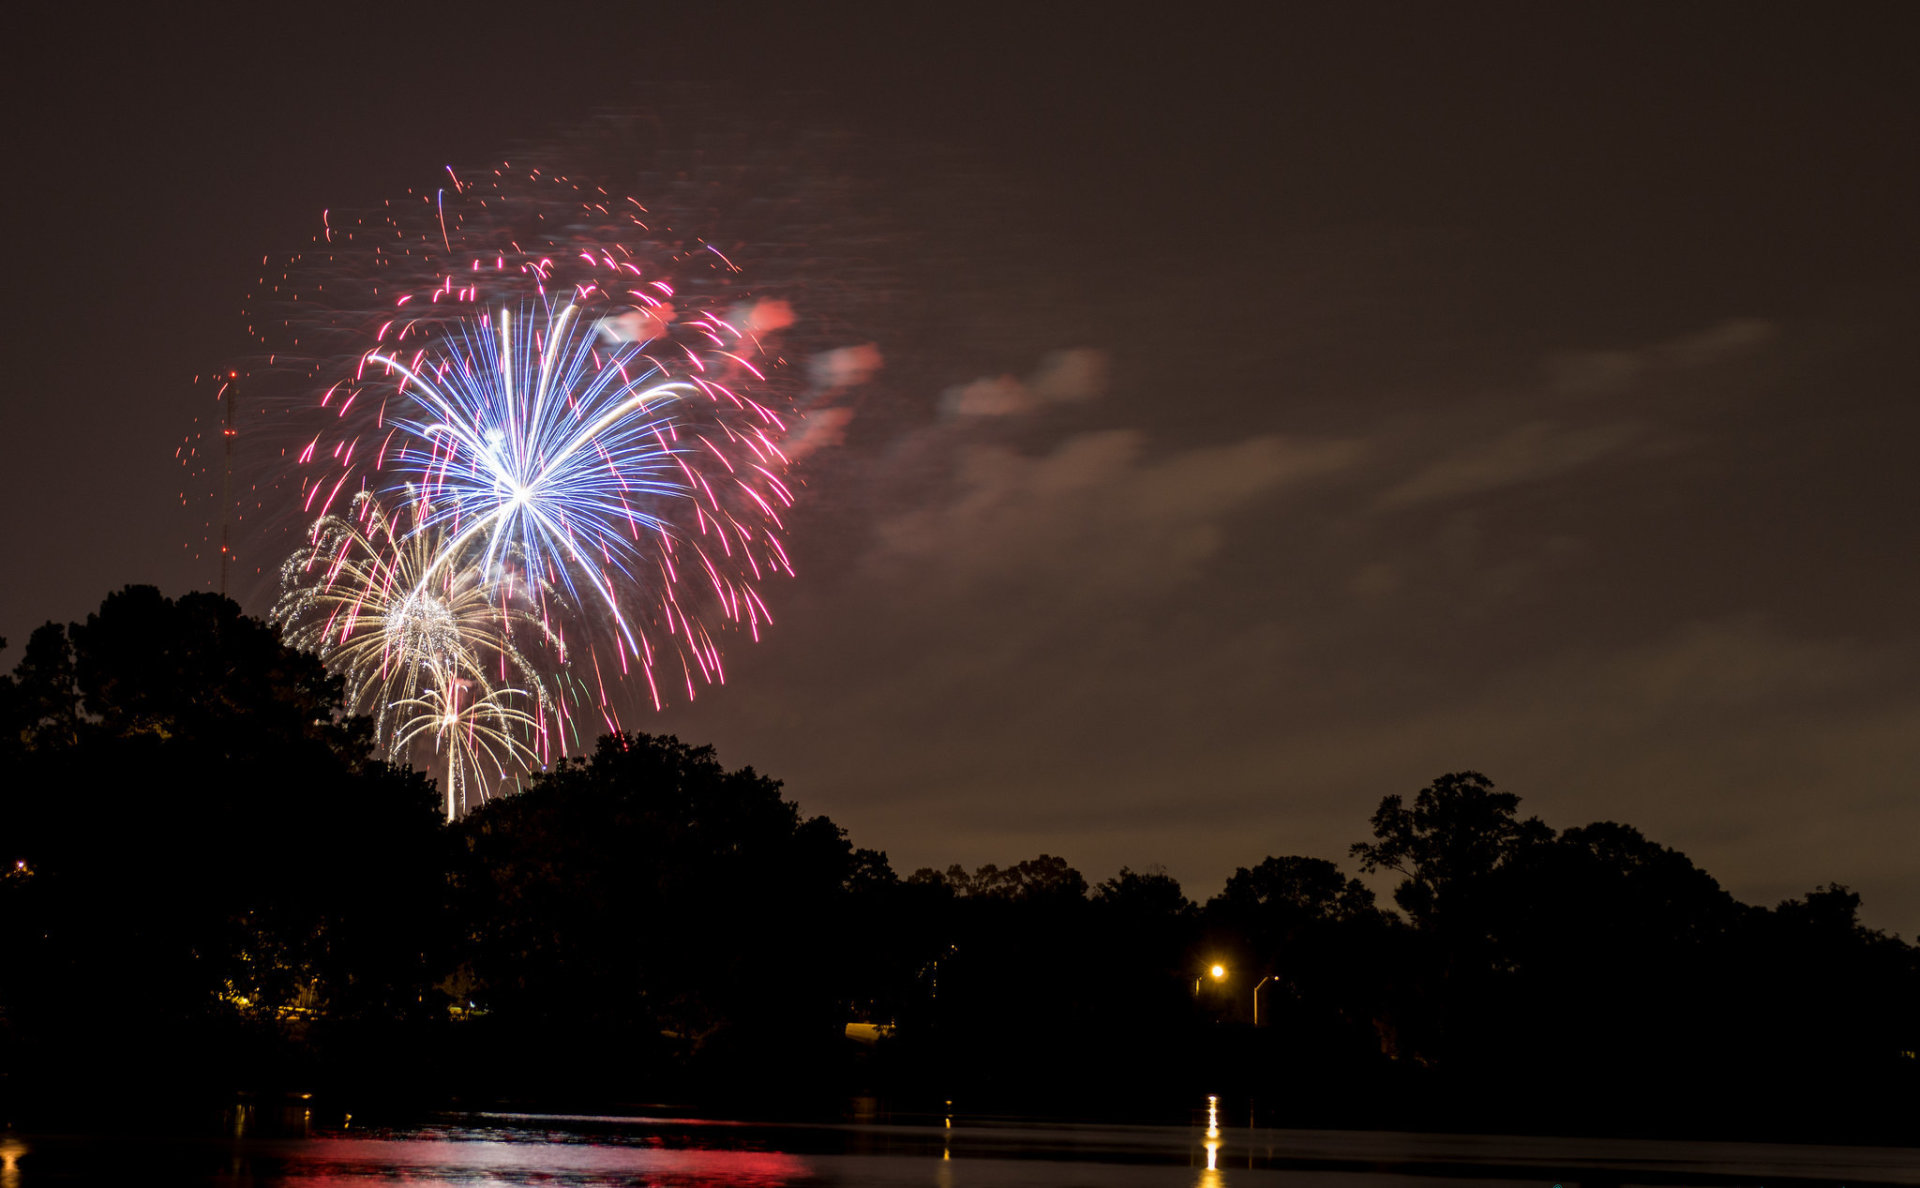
[(1100, 506), (1527, 453), (1599, 373), (844, 367), (1063, 377)]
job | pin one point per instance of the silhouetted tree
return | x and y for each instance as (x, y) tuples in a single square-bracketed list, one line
[(42, 698), (207, 871), (1293, 892), (1150, 898), (1320, 958), (1045, 877), (218, 863), (1458, 831), (647, 894)]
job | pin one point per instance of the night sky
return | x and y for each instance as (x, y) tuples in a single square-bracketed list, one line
[(1273, 415)]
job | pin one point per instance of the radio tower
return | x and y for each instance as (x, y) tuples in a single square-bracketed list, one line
[(226, 487)]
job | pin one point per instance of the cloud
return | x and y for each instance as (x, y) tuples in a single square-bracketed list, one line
[(761, 317), (1003, 397), (1099, 507), (1506, 444), (1597, 373), (1724, 340), (1066, 377), (844, 367), (1126, 650), (1528, 453), (831, 372), (1063, 377), (1726, 664), (821, 429)]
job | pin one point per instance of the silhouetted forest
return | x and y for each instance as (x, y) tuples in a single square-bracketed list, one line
[(213, 882)]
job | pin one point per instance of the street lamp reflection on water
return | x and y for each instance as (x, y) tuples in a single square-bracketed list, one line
[(944, 1177), (10, 1153), (1210, 1177)]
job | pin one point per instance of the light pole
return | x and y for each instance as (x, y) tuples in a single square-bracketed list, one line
[(1256, 996), (1216, 971)]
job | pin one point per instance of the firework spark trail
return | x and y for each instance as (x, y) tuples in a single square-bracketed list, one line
[(690, 163), (541, 441), (424, 644), (478, 733), (579, 446)]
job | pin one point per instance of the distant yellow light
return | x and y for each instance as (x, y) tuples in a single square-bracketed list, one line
[(1218, 972)]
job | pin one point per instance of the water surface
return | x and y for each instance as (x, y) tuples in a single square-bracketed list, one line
[(577, 1151)]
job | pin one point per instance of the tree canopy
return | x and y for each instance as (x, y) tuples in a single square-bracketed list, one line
[(212, 876)]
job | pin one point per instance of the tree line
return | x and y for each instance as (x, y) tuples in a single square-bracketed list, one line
[(213, 881)]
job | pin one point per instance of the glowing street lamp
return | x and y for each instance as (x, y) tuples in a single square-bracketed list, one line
[(1216, 971)]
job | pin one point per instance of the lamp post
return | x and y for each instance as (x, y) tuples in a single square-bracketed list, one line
[(1256, 996), (1216, 971)]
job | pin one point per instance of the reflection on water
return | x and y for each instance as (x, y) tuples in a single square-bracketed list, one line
[(1212, 1143), (11, 1150), (284, 1147)]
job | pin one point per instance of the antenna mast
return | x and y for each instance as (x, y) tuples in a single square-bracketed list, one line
[(226, 487)]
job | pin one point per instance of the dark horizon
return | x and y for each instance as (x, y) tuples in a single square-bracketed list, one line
[(646, 924), (1509, 390)]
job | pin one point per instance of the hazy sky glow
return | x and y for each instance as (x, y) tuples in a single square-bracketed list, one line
[(1271, 417)]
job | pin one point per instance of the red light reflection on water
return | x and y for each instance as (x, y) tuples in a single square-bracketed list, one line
[(335, 1161)]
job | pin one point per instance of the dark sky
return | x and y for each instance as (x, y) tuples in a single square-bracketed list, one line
[(1276, 414)]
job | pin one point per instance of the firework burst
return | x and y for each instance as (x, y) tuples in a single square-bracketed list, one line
[(586, 457), (424, 639), (557, 438), (478, 735)]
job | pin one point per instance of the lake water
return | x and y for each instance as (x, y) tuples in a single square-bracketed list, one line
[(573, 1151)]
